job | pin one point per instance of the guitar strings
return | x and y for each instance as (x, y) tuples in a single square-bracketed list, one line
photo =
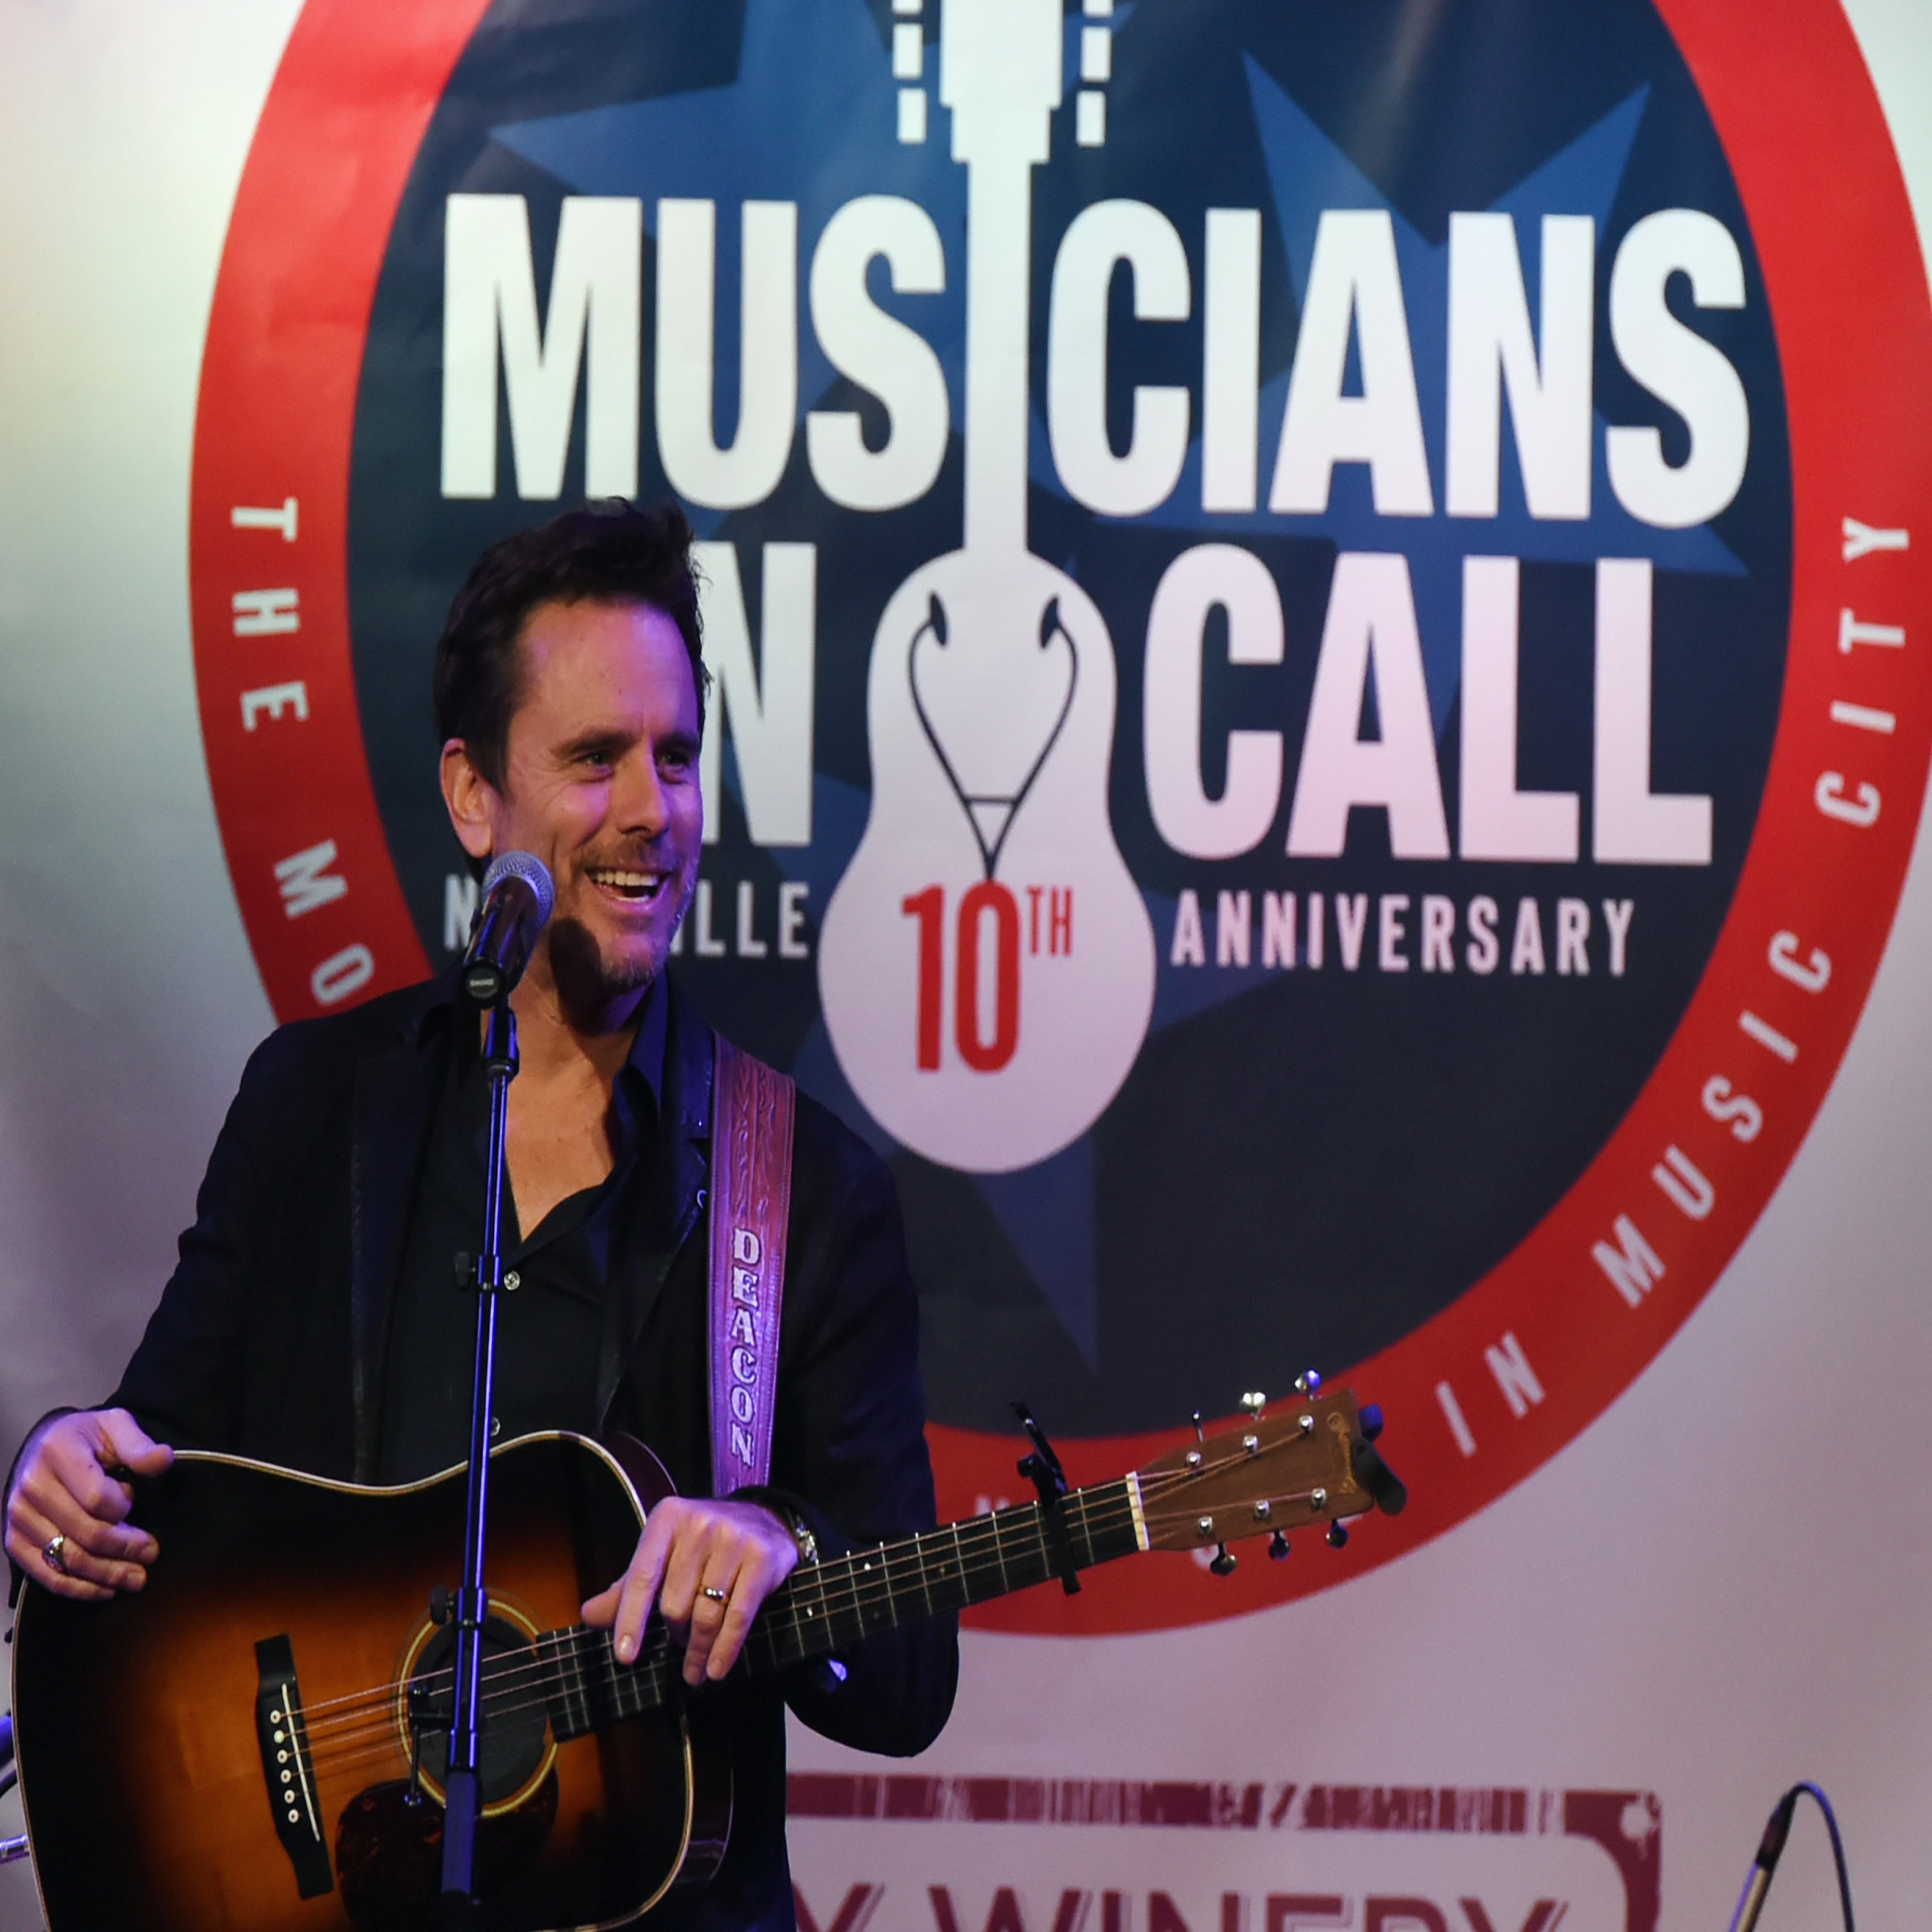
[(647, 1684), (525, 1663), (845, 1591), (369, 1722)]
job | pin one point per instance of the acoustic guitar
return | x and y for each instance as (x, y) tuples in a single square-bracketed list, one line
[(255, 1742)]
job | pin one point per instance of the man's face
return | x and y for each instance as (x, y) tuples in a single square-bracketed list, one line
[(600, 783)]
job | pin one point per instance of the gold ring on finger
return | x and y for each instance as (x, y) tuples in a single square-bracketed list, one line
[(716, 1594)]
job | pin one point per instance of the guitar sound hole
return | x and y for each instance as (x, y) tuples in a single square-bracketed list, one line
[(514, 1744)]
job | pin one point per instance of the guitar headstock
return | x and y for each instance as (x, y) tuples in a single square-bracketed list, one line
[(1312, 1461)]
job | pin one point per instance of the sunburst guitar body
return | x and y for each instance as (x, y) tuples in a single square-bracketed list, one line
[(254, 1743)]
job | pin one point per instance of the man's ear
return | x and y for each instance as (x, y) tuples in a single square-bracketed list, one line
[(470, 798)]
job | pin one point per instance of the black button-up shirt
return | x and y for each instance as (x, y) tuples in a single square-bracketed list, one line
[(563, 1332)]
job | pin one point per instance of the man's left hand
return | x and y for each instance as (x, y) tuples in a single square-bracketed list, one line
[(707, 1566)]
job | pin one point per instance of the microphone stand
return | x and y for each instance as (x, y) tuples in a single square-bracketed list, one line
[(462, 1795)]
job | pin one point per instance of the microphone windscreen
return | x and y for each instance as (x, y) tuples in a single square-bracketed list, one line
[(531, 871)]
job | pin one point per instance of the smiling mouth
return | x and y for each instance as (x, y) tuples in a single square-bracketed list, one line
[(634, 888)]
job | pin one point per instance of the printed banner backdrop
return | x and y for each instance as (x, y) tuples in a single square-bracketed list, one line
[(1318, 738)]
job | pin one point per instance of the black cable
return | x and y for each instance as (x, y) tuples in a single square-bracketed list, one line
[(1837, 1846), (1764, 1867)]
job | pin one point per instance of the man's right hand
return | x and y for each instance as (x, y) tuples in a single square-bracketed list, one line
[(62, 1488)]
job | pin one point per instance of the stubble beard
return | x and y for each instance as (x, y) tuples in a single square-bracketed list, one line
[(590, 982)]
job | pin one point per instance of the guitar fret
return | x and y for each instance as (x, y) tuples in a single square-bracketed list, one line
[(846, 1623), (1086, 1525), (816, 1634), (827, 1638), (950, 1567), (861, 1592), (925, 1587), (761, 1644), (807, 1618), (971, 1564), (570, 1707), (952, 1574), (997, 1526), (985, 1571), (609, 1681), (1039, 1558)]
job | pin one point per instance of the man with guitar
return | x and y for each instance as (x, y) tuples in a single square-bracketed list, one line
[(317, 1320)]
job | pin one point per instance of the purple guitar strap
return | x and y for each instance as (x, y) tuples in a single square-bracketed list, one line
[(752, 1109)]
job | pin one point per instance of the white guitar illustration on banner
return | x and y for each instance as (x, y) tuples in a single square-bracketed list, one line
[(986, 965)]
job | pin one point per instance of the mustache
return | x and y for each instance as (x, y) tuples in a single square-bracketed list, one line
[(650, 855)]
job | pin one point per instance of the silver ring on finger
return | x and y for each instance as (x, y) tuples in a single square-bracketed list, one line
[(716, 1594), (54, 1556)]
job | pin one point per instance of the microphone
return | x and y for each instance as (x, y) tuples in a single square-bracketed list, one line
[(511, 912)]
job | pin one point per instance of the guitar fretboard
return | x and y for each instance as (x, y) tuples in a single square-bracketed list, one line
[(824, 1607)]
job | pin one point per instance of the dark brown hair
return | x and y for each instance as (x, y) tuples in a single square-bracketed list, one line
[(606, 553)]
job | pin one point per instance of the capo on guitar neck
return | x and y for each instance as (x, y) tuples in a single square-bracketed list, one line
[(1042, 1468)]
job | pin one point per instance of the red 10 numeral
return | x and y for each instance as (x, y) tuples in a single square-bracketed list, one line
[(989, 897)]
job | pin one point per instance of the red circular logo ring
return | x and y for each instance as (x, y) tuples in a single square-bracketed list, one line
[(1484, 1392)]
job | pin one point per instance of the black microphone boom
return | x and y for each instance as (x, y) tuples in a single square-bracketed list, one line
[(511, 912)]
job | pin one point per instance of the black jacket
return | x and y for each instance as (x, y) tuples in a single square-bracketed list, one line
[(269, 1342)]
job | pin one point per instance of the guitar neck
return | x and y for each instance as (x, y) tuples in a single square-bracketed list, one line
[(1311, 1463), (824, 1607)]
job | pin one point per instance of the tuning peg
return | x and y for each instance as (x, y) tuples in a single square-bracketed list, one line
[(1225, 1561), (1276, 1546), (1254, 1402), (1308, 1382), (1371, 1421), (1201, 1434), (1337, 1536)]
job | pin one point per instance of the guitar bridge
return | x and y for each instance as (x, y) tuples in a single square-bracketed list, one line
[(282, 1731)]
